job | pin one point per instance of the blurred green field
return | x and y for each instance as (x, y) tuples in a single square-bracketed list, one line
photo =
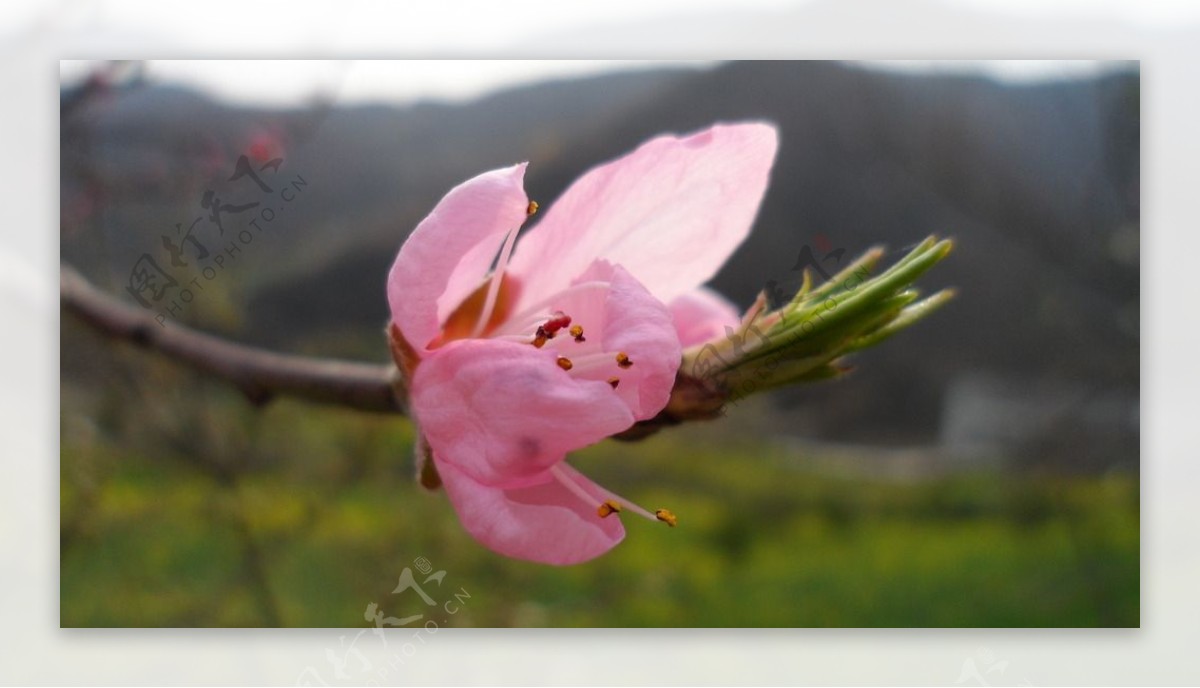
[(214, 514)]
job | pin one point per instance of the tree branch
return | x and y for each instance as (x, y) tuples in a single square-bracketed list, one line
[(869, 310), (259, 374), (262, 375)]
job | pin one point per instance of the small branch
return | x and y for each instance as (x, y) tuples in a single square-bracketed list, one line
[(261, 375), (868, 309)]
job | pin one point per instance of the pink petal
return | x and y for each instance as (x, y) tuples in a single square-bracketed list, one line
[(541, 521), (702, 315), (448, 255), (502, 411), (639, 325), (670, 213)]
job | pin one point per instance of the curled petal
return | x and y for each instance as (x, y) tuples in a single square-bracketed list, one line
[(702, 315), (448, 255), (502, 411), (671, 213), (540, 520), (639, 325)]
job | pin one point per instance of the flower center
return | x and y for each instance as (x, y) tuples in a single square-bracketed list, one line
[(542, 327), (585, 362), (582, 361)]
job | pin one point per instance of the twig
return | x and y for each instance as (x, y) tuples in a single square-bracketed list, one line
[(259, 374), (262, 375)]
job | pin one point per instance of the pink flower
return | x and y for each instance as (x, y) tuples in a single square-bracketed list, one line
[(569, 340)]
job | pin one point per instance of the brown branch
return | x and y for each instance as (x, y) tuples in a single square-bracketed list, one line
[(262, 375), (259, 374)]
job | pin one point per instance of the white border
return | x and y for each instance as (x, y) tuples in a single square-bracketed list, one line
[(33, 649)]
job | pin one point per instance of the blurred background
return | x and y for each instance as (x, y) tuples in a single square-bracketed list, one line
[(980, 469)]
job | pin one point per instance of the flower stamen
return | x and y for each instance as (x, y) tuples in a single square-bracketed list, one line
[(525, 319), (587, 363), (485, 314), (615, 504), (666, 517), (623, 360), (564, 363), (557, 321), (573, 487), (634, 508), (549, 329)]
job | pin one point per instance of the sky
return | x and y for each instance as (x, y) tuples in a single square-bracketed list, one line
[(281, 82), (287, 82), (363, 28)]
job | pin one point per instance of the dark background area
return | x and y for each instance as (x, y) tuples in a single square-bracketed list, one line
[(1039, 184)]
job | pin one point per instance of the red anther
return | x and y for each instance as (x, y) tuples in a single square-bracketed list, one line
[(556, 323)]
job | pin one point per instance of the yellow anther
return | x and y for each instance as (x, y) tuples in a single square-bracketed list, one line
[(565, 363), (623, 360), (532, 208), (608, 508), (614, 381), (577, 332), (666, 517)]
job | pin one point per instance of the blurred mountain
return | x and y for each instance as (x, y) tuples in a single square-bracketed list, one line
[(1039, 183)]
